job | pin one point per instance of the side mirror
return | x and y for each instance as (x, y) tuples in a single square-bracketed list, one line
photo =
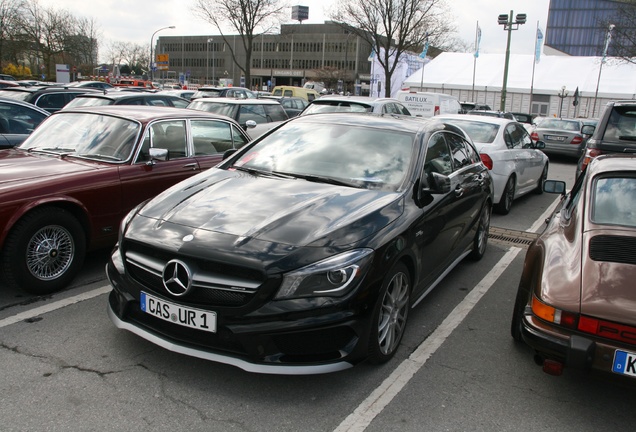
[(438, 184), (588, 130), (158, 154), (539, 145), (228, 153), (554, 186), (250, 124)]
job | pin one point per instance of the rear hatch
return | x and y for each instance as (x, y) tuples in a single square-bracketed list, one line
[(620, 134)]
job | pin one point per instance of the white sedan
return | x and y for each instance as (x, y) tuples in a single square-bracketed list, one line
[(516, 164)]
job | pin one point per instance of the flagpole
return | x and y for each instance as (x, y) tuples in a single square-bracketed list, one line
[(423, 60), (475, 60), (608, 38), (534, 62)]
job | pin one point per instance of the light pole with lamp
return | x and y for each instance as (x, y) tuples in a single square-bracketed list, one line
[(207, 62), (608, 38), (152, 75), (509, 26), (562, 95)]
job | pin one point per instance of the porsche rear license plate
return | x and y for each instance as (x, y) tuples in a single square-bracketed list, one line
[(624, 363), (177, 314)]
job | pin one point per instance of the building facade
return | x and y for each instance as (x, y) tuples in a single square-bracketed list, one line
[(299, 53), (574, 26)]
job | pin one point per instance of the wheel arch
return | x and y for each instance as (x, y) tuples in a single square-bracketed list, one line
[(74, 207)]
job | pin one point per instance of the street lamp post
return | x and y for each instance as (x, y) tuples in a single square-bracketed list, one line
[(509, 26), (152, 75), (562, 95)]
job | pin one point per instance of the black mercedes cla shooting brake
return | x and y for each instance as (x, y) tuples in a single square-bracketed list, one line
[(304, 251)]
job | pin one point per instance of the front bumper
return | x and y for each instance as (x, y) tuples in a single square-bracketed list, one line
[(324, 340)]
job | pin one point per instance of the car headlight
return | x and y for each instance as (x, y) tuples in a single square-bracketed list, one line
[(334, 276), (123, 226)]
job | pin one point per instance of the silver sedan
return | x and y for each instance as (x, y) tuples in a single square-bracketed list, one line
[(561, 136), (516, 164)]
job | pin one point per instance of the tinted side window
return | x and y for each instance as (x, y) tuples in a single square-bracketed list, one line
[(252, 112), (157, 101), (516, 135), (458, 151), (170, 135), (438, 157), (473, 154), (275, 113), (211, 137)]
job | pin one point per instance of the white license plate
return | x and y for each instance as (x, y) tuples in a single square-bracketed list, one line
[(624, 363), (555, 138), (184, 316)]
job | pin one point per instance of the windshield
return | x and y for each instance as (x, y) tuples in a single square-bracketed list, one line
[(572, 126), (87, 135), (336, 106), (15, 94), (477, 131), (614, 201), (214, 107), (87, 101), (358, 156), (621, 124), (207, 93)]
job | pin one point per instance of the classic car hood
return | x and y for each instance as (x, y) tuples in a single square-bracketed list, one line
[(283, 211), (608, 274), (18, 165)]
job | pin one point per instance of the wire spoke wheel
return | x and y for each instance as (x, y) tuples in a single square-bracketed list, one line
[(50, 252)]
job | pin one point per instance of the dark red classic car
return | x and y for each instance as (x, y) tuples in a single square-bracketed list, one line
[(67, 187), (576, 303)]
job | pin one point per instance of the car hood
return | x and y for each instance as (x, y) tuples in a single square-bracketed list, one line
[(18, 165), (608, 272), (232, 209)]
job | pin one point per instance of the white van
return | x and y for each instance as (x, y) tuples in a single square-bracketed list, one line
[(428, 104)]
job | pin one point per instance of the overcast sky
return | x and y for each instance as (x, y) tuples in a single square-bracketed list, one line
[(137, 21)]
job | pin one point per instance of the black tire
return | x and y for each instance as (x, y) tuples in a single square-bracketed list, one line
[(542, 179), (44, 251), (390, 315), (517, 314), (481, 237), (505, 203)]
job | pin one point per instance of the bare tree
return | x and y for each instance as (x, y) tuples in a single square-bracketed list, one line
[(395, 27), (10, 28), (249, 18)]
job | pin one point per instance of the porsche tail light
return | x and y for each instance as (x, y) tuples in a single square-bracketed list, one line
[(583, 323), (554, 315), (577, 140), (486, 160)]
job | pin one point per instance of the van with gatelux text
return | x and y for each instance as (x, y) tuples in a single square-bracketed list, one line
[(428, 104)]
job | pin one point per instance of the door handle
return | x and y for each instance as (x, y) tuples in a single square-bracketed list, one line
[(192, 165)]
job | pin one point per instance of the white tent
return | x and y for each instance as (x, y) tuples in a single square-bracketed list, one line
[(455, 70), (453, 73)]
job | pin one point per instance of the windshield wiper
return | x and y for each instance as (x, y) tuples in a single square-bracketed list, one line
[(255, 171), (99, 156), (53, 151), (328, 180), (627, 138)]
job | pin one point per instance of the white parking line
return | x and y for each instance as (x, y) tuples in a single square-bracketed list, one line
[(32, 313), (373, 405)]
